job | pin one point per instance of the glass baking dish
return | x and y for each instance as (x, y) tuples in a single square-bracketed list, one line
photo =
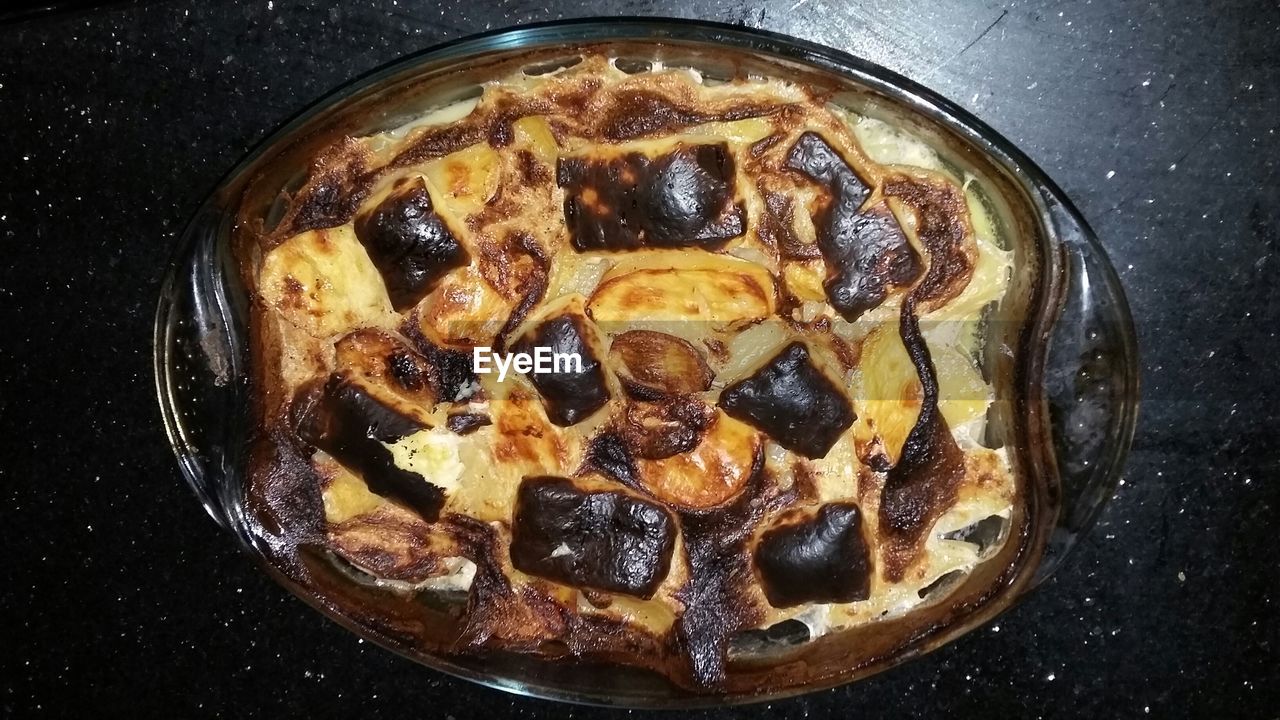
[(1060, 348)]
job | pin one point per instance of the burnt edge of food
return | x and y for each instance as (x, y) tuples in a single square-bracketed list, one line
[(535, 286), (415, 562), (942, 229), (465, 423), (823, 558), (777, 229), (667, 427), (930, 467), (715, 599), (607, 453), (640, 113), (605, 540), (452, 370), (866, 252), (383, 359), (283, 495), (683, 198)]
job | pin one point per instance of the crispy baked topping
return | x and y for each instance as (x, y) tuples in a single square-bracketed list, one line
[(778, 409)]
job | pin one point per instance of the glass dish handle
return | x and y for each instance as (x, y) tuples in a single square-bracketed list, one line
[(1090, 382), (201, 369)]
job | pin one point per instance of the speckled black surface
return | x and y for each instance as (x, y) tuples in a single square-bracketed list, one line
[(119, 597)]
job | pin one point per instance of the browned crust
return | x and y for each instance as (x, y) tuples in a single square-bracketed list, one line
[(341, 178), (943, 231), (283, 489)]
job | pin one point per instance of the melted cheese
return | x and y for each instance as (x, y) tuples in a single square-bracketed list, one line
[(323, 284), (433, 454)]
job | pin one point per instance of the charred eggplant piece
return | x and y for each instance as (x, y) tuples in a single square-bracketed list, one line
[(866, 252), (824, 559), (653, 365), (601, 540), (930, 469), (569, 395), (792, 401), (350, 424), (409, 243), (682, 199)]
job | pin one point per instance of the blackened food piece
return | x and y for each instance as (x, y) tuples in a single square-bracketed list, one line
[(824, 559), (568, 394), (681, 199), (454, 370), (409, 243), (352, 425), (601, 540), (930, 468), (866, 252), (465, 423), (608, 454), (792, 401)]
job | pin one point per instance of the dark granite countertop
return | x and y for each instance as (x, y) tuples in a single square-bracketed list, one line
[(121, 599)]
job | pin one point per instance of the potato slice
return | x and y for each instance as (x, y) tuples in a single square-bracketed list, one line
[(463, 310), (892, 394), (323, 282), (709, 474), (534, 133), (345, 494), (465, 180), (685, 293), (804, 280), (890, 391)]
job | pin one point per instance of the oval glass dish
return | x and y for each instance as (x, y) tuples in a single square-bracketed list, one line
[(1059, 351)]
